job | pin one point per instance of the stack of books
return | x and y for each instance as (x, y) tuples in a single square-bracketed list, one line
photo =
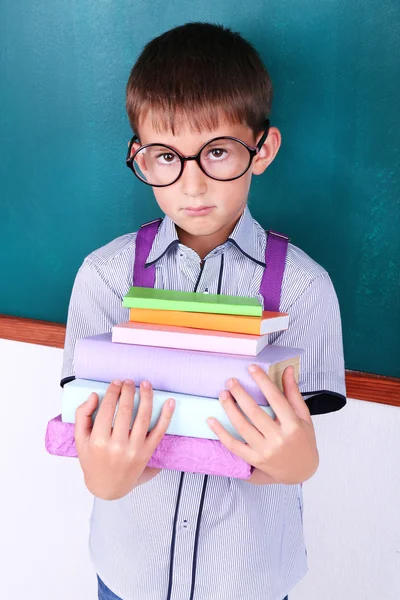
[(187, 345)]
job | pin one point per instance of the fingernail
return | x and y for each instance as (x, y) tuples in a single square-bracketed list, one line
[(230, 383), (117, 382), (224, 395), (253, 368), (146, 385), (128, 381), (171, 403)]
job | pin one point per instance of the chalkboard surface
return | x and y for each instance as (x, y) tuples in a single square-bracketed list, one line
[(333, 188)]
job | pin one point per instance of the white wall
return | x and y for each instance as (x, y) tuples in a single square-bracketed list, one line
[(351, 512)]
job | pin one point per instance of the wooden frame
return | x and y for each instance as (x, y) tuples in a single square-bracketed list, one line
[(362, 386)]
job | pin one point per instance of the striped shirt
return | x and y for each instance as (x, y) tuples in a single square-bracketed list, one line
[(185, 536)]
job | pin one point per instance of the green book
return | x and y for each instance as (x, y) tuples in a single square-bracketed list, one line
[(141, 297)]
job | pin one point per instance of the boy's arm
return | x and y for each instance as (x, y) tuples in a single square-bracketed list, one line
[(315, 326), (95, 307)]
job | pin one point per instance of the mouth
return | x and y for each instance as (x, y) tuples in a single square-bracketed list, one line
[(197, 211)]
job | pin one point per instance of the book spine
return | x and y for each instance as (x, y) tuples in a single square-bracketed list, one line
[(229, 323), (182, 371), (173, 452), (170, 337), (193, 306), (189, 418)]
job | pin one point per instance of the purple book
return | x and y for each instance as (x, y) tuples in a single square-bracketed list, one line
[(193, 455), (181, 371)]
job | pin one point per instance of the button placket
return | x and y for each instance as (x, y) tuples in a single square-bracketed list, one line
[(185, 534)]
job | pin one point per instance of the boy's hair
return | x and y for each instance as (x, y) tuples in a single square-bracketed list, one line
[(198, 73)]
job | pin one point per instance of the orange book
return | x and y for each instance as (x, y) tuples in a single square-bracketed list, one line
[(269, 322)]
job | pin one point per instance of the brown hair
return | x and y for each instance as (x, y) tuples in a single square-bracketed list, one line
[(197, 73)]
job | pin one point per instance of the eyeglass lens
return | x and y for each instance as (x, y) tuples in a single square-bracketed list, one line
[(222, 159)]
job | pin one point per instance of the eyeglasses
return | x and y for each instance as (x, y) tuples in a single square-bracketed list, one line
[(222, 158)]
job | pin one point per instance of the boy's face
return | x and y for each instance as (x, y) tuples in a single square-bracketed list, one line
[(205, 210)]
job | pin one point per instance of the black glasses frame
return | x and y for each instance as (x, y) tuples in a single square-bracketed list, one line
[(253, 150)]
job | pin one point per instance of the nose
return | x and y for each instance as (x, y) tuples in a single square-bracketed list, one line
[(193, 180)]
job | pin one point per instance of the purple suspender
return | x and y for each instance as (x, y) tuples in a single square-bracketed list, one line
[(275, 256), (271, 283), (144, 240)]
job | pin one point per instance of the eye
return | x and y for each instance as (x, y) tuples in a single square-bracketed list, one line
[(166, 158), (217, 153)]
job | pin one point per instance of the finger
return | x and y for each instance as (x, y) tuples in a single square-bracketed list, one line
[(103, 423), (250, 432), (123, 417), (84, 421), (142, 420), (158, 432), (235, 446), (293, 395), (278, 402), (260, 419)]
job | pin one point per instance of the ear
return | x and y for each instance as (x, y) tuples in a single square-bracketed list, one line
[(140, 159), (268, 151), (135, 146)]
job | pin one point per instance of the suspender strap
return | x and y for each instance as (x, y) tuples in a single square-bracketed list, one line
[(271, 283), (275, 257), (145, 277)]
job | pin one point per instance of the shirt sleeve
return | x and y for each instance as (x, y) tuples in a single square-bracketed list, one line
[(315, 326), (95, 307)]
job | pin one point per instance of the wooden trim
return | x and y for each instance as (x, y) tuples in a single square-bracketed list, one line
[(31, 331), (373, 388), (359, 385)]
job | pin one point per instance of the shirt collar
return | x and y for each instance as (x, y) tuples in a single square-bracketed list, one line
[(245, 237), (165, 239)]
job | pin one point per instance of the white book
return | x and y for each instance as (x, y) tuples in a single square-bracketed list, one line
[(189, 418)]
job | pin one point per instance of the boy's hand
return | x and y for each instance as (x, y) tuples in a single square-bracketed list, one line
[(285, 448), (113, 459)]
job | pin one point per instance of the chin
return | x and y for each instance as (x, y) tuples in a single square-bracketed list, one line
[(199, 227)]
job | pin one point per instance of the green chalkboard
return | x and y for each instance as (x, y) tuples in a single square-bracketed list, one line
[(333, 188)]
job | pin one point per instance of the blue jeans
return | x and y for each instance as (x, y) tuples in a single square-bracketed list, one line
[(106, 594)]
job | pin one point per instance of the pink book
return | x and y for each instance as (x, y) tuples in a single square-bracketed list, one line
[(186, 338)]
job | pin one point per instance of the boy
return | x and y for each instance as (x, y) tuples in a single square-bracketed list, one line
[(161, 535)]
